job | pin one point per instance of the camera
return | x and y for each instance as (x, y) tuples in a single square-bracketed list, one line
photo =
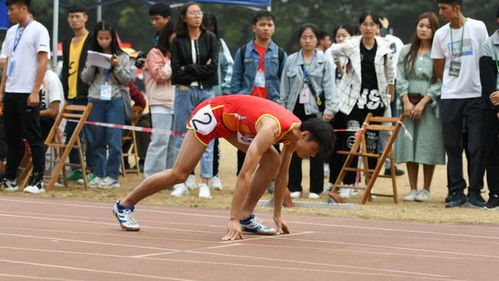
[(141, 56)]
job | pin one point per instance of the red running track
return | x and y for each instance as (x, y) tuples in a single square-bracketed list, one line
[(50, 239)]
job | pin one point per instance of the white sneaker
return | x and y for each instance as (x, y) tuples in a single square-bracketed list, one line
[(108, 183), (296, 194), (215, 183), (95, 183), (180, 190), (9, 185), (204, 191), (423, 195), (411, 196), (346, 193), (312, 195), (35, 189), (328, 188), (191, 182)]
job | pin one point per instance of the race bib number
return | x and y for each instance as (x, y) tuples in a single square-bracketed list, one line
[(203, 121), (106, 92), (305, 95), (244, 139)]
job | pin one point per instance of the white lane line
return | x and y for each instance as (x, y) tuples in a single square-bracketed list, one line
[(148, 209), (187, 251), (100, 223), (93, 270), (252, 266), (265, 237), (35, 277), (395, 248)]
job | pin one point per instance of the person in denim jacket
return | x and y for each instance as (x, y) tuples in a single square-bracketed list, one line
[(308, 90), (258, 65)]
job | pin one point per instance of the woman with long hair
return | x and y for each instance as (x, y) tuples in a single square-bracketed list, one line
[(160, 94), (308, 90), (420, 98), (105, 92), (194, 73), (366, 87)]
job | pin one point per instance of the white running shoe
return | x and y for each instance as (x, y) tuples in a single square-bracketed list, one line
[(312, 195), (295, 194), (125, 217), (328, 188), (35, 188), (10, 186), (109, 182), (180, 190), (255, 224), (191, 182), (346, 193), (215, 183), (95, 183), (423, 195), (204, 191), (411, 196)]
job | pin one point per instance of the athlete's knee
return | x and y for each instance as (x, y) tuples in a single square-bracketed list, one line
[(179, 175)]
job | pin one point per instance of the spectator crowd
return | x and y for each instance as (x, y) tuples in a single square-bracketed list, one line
[(444, 81)]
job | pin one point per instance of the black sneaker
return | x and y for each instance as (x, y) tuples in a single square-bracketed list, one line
[(456, 199), (476, 200), (398, 172), (493, 202)]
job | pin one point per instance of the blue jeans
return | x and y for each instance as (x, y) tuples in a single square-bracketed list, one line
[(86, 138), (161, 151), (185, 102), (107, 141)]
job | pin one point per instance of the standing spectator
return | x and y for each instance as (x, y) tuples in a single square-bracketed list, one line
[(455, 52), (258, 65), (420, 97), (26, 62), (51, 99), (224, 72), (105, 92), (160, 93), (309, 91), (194, 67), (365, 88), (324, 41), (74, 53), (489, 76)]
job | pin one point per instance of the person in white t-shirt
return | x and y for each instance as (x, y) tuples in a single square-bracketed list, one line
[(456, 55), (26, 49), (51, 100)]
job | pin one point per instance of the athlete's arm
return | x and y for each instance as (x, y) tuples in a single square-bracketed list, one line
[(281, 184), (267, 131)]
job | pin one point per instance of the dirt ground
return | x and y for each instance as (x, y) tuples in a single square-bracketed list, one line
[(379, 208)]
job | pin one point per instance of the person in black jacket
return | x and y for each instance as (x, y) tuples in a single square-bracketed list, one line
[(489, 68), (194, 75), (74, 52)]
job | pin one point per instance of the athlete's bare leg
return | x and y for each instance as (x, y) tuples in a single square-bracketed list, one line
[(263, 176), (188, 157)]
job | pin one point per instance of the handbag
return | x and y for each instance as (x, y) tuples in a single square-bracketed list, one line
[(415, 98)]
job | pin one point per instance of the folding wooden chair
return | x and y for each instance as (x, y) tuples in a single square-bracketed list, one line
[(359, 148), (25, 167), (132, 152), (72, 113)]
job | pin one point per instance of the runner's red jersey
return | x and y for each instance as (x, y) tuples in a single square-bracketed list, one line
[(238, 115)]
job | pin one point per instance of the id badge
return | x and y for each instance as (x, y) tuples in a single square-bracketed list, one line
[(10, 67), (304, 95), (455, 68), (106, 92), (260, 79)]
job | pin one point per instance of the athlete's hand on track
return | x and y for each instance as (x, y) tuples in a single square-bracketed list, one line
[(282, 226), (234, 231)]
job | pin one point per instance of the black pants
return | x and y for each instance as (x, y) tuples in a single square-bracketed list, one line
[(453, 113), (316, 163), (345, 141), (491, 138), (22, 121)]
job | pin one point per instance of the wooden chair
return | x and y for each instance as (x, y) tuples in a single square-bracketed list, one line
[(132, 152), (359, 148), (72, 113)]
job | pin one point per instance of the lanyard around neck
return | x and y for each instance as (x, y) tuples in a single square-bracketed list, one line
[(462, 39), (19, 34)]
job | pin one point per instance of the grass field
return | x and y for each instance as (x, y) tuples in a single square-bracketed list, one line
[(379, 208)]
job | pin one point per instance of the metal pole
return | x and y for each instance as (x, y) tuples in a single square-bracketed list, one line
[(99, 11), (55, 33)]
